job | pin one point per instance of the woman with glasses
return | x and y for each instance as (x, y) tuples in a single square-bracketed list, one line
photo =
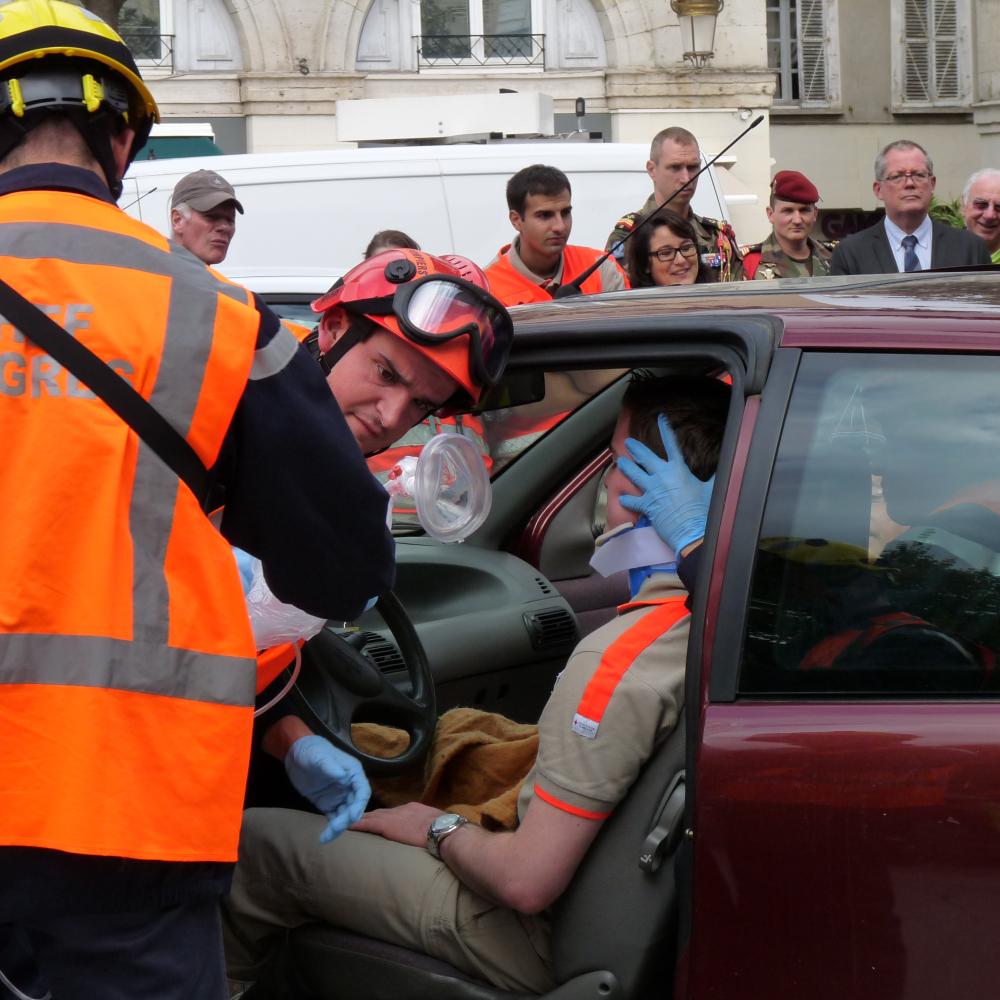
[(664, 252)]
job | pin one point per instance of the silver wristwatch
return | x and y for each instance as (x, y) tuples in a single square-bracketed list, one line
[(441, 827)]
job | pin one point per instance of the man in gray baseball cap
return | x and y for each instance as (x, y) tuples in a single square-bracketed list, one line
[(203, 214)]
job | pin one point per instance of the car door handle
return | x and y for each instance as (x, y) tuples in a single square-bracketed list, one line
[(661, 840)]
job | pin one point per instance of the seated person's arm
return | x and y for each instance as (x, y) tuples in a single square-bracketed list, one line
[(526, 870)]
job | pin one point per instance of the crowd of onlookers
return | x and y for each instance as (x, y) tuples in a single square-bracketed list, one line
[(664, 242)]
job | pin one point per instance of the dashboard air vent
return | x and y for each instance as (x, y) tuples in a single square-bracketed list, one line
[(382, 652), (551, 628), (544, 586)]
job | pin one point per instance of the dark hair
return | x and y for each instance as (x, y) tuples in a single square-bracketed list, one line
[(696, 406), (637, 249), (676, 134), (536, 179), (390, 239)]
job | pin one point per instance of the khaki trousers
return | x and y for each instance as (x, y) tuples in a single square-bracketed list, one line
[(376, 887)]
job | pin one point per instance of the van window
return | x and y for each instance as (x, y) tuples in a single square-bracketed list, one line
[(877, 569)]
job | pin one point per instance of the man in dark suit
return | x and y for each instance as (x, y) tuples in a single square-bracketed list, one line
[(906, 239)]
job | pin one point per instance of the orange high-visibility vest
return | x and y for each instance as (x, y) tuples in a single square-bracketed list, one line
[(514, 289), (271, 662), (126, 657), (412, 442)]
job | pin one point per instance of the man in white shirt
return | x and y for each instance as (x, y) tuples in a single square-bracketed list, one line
[(907, 239)]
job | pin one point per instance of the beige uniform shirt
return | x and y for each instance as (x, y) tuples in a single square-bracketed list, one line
[(629, 673)]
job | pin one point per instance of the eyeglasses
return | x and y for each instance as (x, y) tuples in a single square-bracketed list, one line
[(981, 205), (666, 254), (439, 307), (917, 176)]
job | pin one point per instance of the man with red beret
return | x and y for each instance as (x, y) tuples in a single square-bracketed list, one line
[(789, 252)]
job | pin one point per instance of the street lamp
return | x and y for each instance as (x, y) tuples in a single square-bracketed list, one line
[(697, 18)]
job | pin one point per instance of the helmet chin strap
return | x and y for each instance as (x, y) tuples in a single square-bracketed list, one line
[(354, 334)]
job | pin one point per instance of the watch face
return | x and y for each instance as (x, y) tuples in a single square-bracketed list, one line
[(440, 827), (445, 822)]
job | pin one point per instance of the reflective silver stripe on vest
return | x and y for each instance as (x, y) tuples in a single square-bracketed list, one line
[(93, 661), (82, 245), (275, 355), (183, 361)]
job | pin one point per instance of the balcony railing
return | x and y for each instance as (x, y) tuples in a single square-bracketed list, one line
[(149, 48), (435, 51)]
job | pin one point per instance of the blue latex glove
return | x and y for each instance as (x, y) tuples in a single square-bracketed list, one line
[(244, 563), (673, 498), (333, 781)]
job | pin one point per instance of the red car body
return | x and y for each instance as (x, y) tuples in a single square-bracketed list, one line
[(843, 847)]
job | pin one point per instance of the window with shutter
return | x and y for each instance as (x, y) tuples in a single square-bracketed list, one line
[(946, 80), (802, 49), (813, 85), (932, 64)]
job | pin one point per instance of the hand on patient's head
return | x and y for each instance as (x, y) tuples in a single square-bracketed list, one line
[(673, 499)]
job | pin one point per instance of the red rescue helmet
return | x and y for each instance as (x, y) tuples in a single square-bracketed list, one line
[(441, 307)]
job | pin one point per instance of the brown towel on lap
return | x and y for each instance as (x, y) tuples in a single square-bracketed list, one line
[(476, 765)]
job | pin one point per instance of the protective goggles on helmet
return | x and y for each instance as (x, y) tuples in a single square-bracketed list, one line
[(437, 308)]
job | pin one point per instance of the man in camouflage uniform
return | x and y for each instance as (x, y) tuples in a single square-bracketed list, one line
[(674, 157), (789, 252)]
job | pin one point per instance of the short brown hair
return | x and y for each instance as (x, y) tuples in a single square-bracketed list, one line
[(696, 407), (675, 134)]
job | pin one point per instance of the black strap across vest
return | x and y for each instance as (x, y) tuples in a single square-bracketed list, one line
[(151, 426)]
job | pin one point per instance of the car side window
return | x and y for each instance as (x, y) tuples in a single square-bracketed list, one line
[(877, 569)]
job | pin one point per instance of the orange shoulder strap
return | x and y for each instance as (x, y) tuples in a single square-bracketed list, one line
[(620, 655)]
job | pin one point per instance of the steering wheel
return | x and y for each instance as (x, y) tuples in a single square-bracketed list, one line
[(336, 680)]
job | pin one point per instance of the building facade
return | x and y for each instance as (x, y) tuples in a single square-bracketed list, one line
[(835, 79), (854, 75)]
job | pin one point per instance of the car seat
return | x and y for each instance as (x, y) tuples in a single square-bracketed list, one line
[(614, 930)]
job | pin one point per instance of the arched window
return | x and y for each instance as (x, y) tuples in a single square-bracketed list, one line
[(171, 36)]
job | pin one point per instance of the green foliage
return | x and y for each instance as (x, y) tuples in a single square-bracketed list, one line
[(948, 212)]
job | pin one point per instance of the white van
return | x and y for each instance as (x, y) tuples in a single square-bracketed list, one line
[(319, 209)]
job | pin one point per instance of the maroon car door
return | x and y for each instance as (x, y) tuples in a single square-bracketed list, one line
[(844, 770)]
